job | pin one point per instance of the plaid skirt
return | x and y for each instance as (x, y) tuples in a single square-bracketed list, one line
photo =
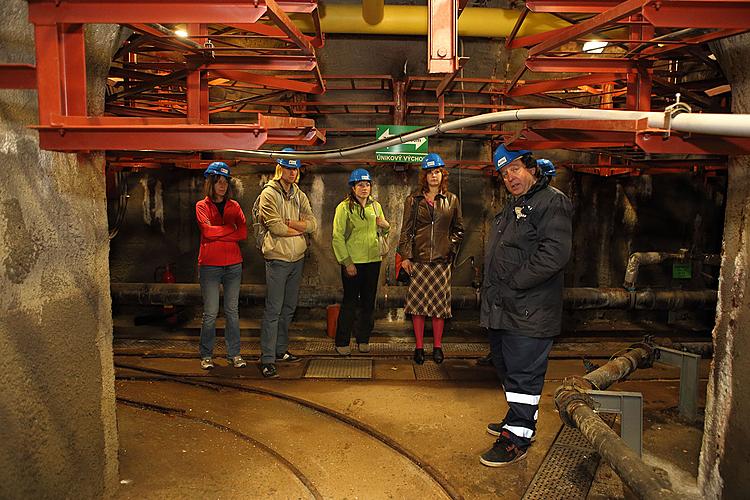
[(429, 291)]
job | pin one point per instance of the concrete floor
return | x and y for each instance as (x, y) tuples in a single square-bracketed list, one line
[(393, 436)]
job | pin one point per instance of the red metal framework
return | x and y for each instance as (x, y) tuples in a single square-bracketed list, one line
[(160, 90)]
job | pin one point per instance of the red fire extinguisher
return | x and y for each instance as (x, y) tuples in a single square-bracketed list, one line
[(166, 276)]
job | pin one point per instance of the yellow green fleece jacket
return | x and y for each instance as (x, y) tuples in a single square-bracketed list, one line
[(355, 239)]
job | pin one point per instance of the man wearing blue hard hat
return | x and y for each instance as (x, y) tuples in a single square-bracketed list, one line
[(530, 243), (284, 218)]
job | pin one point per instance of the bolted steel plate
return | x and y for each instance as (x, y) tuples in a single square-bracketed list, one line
[(339, 368)]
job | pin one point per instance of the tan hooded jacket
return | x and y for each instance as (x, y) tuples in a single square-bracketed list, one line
[(278, 206)]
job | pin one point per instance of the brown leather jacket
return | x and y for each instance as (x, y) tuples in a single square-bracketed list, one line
[(439, 230)]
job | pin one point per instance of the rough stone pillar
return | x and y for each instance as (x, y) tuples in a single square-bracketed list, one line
[(58, 436), (726, 440)]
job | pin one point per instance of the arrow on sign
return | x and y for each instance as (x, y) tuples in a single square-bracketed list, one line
[(386, 134)]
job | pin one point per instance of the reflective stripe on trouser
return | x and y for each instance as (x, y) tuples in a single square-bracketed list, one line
[(522, 364)]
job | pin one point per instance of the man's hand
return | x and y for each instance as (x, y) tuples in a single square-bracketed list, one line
[(408, 266)]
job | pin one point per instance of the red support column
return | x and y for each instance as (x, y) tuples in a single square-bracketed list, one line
[(73, 55), (197, 84), (48, 71), (442, 36)]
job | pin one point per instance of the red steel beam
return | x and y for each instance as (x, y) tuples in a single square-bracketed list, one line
[(49, 71), (656, 51), (144, 11), (724, 14), (269, 81), (570, 33), (132, 137), (286, 25), (571, 7), (541, 86), (655, 142), (516, 27), (17, 76), (264, 63), (583, 64)]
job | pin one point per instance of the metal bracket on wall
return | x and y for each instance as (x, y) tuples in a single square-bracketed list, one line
[(688, 364), (630, 407)]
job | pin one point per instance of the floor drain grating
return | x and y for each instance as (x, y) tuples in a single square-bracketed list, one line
[(339, 368), (568, 469), (430, 371)]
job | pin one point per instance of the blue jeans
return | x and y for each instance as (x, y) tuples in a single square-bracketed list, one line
[(282, 289), (210, 278)]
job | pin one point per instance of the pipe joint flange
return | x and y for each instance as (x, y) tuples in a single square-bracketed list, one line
[(647, 346), (570, 395)]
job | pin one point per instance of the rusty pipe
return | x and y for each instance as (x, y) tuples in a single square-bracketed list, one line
[(638, 259), (464, 297), (576, 409), (640, 477)]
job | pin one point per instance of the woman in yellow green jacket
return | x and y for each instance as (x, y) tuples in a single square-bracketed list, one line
[(357, 223)]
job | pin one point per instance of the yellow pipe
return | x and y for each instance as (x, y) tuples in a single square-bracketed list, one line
[(372, 11), (412, 20)]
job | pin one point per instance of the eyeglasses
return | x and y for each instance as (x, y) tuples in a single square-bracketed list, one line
[(511, 169)]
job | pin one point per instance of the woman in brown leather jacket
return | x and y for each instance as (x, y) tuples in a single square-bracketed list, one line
[(431, 231)]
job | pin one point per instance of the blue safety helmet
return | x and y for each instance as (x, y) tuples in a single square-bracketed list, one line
[(293, 163), (432, 160), (217, 168), (546, 167), (502, 156), (359, 174)]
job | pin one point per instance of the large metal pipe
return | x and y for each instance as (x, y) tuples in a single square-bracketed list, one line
[(638, 259), (576, 410), (640, 477), (736, 125), (464, 297), (412, 20)]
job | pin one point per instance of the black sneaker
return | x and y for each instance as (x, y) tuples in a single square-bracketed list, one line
[(287, 357), (437, 355), (497, 429), (485, 360), (502, 453), (269, 370)]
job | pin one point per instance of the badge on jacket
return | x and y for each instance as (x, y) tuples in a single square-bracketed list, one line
[(519, 213)]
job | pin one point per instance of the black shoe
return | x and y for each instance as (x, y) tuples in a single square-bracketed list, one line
[(502, 453), (287, 357), (485, 360), (419, 356), (437, 354), (269, 370), (497, 429)]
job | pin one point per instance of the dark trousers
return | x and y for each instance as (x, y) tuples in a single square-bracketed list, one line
[(359, 293), (521, 363)]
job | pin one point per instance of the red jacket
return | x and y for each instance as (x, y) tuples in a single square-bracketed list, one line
[(219, 236)]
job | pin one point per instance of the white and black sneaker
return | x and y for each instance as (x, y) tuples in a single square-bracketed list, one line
[(207, 363), (287, 357), (237, 362)]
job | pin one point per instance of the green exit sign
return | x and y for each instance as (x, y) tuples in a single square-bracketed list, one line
[(682, 270), (408, 152)]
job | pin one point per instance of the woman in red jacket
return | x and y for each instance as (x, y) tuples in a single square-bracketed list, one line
[(222, 226)]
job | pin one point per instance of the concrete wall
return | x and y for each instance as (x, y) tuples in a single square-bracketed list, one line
[(725, 455), (57, 409)]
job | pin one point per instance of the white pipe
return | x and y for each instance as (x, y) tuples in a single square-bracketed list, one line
[(735, 125)]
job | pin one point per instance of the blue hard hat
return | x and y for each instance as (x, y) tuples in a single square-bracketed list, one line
[(217, 168), (432, 160), (502, 156), (546, 167), (293, 163), (359, 174)]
